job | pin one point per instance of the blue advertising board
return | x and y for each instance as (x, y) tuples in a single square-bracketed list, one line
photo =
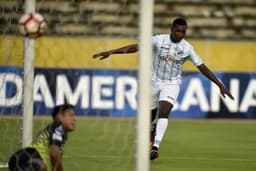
[(200, 98), (98, 92)]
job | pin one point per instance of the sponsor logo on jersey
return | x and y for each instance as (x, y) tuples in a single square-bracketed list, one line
[(165, 47), (170, 59), (57, 135)]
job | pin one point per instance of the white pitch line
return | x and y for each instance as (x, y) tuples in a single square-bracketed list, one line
[(168, 158), (210, 159), (3, 165)]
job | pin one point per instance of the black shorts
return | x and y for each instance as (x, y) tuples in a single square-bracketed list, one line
[(27, 159)]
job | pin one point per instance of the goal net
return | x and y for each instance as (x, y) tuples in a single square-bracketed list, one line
[(104, 92), (11, 62)]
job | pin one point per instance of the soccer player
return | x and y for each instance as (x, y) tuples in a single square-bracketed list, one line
[(170, 51), (45, 152)]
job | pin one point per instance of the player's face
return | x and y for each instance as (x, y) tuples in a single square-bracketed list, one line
[(178, 32), (69, 119)]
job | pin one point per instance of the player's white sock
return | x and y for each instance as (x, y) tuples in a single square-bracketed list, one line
[(161, 127)]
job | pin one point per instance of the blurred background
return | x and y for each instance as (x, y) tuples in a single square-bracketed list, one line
[(209, 19), (222, 31)]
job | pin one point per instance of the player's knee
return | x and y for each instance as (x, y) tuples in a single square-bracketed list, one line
[(164, 109), (163, 115)]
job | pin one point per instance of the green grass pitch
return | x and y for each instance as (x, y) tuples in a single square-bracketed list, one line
[(107, 144)]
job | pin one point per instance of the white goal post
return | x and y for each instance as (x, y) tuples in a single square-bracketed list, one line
[(27, 126), (145, 58), (144, 80), (28, 80)]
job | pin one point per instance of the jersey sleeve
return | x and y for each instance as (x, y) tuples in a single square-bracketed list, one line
[(194, 57), (57, 134), (154, 39)]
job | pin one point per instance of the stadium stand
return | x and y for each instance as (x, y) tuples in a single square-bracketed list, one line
[(208, 19)]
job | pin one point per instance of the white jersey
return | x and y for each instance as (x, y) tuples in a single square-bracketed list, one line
[(168, 58)]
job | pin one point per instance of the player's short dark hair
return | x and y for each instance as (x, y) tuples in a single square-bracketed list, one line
[(180, 22), (60, 109)]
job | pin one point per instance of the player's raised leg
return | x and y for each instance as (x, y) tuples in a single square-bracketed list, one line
[(162, 124), (167, 98)]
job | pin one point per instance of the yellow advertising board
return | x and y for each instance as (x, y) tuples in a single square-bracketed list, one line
[(62, 52)]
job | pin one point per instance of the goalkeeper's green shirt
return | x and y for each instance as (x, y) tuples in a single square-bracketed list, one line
[(54, 133)]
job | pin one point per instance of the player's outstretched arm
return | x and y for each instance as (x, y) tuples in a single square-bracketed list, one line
[(126, 49), (55, 157), (208, 73)]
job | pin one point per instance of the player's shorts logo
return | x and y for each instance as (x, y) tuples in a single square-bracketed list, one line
[(170, 97), (180, 52)]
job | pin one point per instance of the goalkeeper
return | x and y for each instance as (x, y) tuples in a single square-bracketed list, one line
[(45, 152)]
